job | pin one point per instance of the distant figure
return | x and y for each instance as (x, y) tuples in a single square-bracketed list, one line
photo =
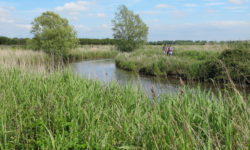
[(164, 49), (170, 51)]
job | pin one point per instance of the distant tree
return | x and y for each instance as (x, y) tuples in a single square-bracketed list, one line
[(130, 32), (53, 34), (4, 40)]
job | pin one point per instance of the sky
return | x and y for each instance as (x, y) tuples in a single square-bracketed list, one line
[(214, 20)]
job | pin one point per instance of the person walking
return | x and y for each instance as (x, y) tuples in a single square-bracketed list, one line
[(164, 49), (170, 51)]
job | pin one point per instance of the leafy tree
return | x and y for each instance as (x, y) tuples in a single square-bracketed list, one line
[(53, 34), (130, 32)]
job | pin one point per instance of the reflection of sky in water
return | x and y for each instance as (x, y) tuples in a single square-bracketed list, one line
[(106, 71)]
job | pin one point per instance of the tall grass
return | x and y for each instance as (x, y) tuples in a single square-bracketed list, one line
[(81, 53), (25, 59), (184, 63), (190, 62), (92, 52), (63, 111)]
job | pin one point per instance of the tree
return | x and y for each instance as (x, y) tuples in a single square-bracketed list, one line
[(53, 34), (130, 32)]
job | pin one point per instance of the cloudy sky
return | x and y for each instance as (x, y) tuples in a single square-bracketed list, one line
[(167, 19)]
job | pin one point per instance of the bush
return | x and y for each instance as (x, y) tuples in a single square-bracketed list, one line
[(234, 63)]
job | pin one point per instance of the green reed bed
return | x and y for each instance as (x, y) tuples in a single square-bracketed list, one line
[(215, 64), (153, 62), (63, 111), (92, 52), (25, 59)]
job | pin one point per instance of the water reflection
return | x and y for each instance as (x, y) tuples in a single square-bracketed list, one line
[(106, 71)]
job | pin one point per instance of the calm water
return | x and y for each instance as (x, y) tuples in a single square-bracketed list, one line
[(106, 71)]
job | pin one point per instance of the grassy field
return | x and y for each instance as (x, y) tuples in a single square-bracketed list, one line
[(189, 62), (24, 59), (40, 109), (83, 52), (92, 52)]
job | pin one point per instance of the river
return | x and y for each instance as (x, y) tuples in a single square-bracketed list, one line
[(106, 71)]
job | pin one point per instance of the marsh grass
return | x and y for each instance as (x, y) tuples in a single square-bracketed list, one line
[(92, 52), (25, 59), (193, 62), (63, 111)]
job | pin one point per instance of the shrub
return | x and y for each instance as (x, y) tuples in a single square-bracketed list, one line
[(234, 63)]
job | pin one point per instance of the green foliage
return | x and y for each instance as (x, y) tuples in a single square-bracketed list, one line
[(63, 111), (12, 41), (96, 41), (83, 55), (130, 32), (230, 63), (53, 34), (190, 64)]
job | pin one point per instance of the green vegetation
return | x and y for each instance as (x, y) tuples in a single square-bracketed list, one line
[(130, 32), (191, 42), (190, 64), (81, 53), (53, 34), (27, 60), (44, 106), (63, 111), (106, 41), (92, 52)]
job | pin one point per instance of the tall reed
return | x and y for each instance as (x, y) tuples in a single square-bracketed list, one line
[(63, 111)]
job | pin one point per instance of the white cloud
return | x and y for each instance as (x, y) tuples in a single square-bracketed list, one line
[(24, 26), (99, 15), (235, 7), (191, 5), (238, 2), (5, 16), (83, 27), (215, 4), (162, 6), (211, 11), (178, 14), (106, 26), (150, 12), (75, 7), (225, 24)]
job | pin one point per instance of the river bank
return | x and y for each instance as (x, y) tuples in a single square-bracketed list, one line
[(215, 64)]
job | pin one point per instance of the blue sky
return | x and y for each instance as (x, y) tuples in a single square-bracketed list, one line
[(167, 19)]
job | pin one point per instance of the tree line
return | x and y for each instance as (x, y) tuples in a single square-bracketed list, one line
[(82, 41), (107, 41)]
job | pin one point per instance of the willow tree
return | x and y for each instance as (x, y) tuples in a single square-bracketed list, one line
[(53, 34), (130, 32)]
